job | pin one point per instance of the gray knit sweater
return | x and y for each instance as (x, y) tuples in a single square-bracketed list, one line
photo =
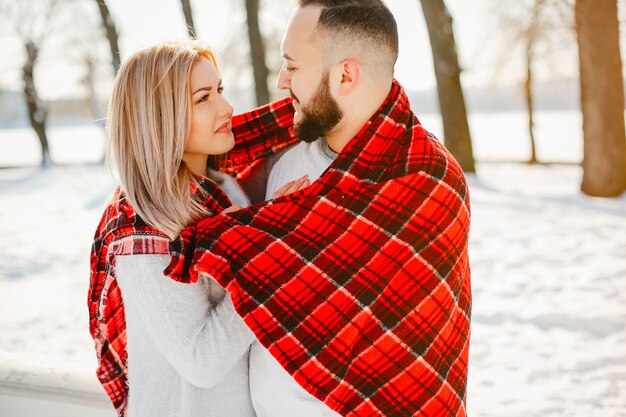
[(188, 349)]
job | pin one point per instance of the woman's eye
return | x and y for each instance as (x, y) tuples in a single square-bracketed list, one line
[(204, 98), (220, 89)]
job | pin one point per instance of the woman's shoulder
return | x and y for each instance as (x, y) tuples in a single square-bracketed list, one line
[(125, 233)]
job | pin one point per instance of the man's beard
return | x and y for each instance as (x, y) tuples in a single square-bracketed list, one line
[(321, 114)]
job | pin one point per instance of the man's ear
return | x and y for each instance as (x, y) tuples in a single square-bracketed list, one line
[(350, 77)]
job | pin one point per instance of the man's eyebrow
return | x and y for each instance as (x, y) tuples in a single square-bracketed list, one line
[(207, 88)]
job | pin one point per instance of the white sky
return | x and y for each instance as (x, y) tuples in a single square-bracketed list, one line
[(144, 22)]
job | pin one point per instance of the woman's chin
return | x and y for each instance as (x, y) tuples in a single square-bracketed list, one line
[(230, 141)]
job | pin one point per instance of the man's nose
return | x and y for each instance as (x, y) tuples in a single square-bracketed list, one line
[(284, 82)]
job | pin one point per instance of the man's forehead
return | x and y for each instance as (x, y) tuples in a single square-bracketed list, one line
[(300, 29)]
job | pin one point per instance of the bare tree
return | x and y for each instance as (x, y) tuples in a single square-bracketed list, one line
[(87, 49), (32, 22), (526, 26), (257, 52), (530, 36), (602, 95), (448, 74), (37, 109), (108, 23), (274, 16), (89, 82), (188, 12)]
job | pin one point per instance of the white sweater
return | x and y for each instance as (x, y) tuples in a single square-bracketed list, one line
[(188, 349), (274, 392)]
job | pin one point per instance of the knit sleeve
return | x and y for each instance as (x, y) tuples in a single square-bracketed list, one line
[(200, 340)]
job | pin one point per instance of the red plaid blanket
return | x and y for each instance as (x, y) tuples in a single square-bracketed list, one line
[(122, 232), (359, 285)]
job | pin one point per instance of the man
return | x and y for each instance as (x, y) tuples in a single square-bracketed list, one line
[(319, 123), (359, 285)]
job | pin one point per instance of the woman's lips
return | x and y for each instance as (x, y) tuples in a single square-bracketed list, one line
[(225, 128)]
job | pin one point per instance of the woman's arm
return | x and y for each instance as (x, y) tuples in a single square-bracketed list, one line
[(260, 133), (202, 342)]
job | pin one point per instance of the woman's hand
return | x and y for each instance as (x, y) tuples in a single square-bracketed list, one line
[(232, 209), (292, 186)]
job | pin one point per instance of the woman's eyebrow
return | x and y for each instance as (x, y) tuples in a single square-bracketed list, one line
[(219, 84), (203, 89)]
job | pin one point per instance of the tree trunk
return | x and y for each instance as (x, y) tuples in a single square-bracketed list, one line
[(191, 29), (602, 96), (257, 53), (448, 74), (89, 81), (112, 36), (37, 112), (528, 93)]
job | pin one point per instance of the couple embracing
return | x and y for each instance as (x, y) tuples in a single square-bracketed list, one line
[(308, 258)]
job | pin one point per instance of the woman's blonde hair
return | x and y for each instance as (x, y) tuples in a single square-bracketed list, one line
[(148, 123)]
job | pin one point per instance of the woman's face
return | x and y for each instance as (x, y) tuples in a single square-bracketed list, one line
[(211, 114)]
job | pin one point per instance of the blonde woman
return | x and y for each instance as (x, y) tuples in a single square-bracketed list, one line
[(167, 348)]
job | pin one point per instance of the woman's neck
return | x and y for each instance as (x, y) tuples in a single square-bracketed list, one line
[(196, 163)]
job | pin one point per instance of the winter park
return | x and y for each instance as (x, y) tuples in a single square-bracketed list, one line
[(527, 96)]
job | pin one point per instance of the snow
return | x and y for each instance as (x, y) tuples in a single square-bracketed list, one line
[(496, 136), (68, 145), (549, 287), (548, 270)]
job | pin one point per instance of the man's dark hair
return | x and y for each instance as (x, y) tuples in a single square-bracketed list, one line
[(361, 24), (336, 3)]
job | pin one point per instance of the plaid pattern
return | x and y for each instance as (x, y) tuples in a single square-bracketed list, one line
[(122, 232), (359, 285)]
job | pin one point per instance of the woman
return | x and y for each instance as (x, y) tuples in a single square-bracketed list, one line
[(166, 348)]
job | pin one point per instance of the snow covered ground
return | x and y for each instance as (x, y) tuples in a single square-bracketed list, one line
[(548, 266), (549, 285)]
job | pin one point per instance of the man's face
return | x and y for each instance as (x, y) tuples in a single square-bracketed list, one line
[(304, 77), (320, 115)]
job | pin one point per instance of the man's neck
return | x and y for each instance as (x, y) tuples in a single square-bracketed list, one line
[(354, 120), (343, 133)]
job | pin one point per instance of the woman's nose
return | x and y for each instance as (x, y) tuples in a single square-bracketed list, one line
[(227, 108)]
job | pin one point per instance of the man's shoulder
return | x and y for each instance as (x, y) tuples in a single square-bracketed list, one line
[(300, 148), (293, 154)]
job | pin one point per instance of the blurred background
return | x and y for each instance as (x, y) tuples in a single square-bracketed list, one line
[(527, 94)]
